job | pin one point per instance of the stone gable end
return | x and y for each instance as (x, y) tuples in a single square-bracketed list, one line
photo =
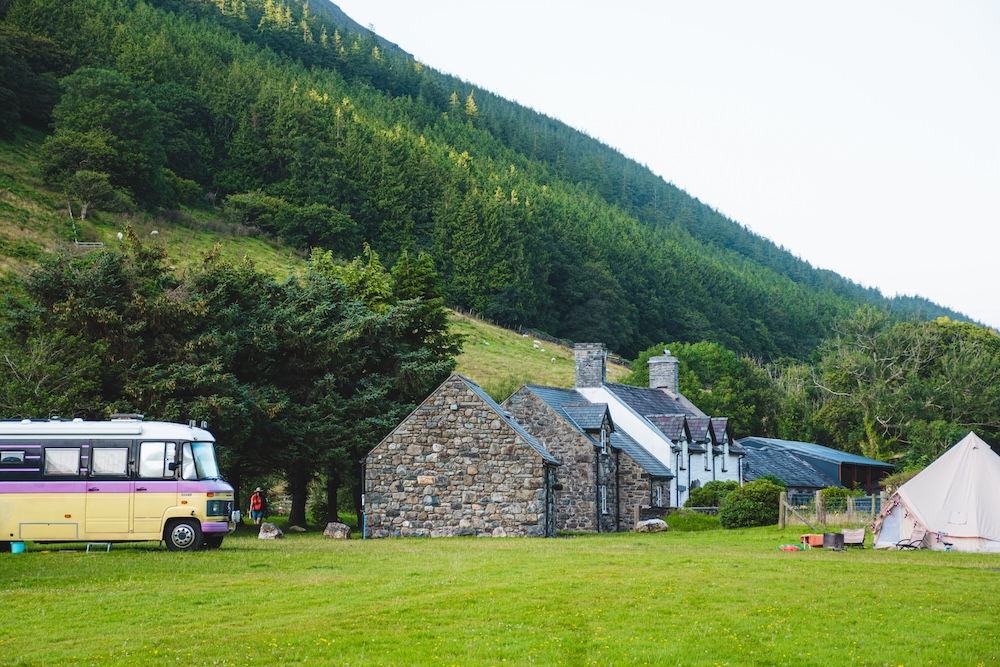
[(456, 467)]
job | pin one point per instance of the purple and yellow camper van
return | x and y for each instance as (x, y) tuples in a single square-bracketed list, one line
[(121, 480)]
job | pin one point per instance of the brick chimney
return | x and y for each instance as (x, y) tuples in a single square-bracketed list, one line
[(664, 372), (591, 364)]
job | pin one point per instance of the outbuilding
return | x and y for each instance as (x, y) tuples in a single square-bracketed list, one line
[(459, 465)]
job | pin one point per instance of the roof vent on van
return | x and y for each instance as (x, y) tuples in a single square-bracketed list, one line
[(127, 416)]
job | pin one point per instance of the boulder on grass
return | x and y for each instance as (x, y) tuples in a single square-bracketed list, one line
[(268, 531), (337, 531), (651, 526), (296, 529)]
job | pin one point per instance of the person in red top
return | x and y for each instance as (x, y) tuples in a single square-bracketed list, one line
[(257, 503)]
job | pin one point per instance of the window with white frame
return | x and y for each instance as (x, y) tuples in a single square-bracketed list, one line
[(604, 499)]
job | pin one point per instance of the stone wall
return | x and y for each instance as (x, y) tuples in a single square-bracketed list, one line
[(577, 501), (456, 467), (633, 483)]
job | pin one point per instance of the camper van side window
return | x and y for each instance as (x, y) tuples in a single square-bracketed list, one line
[(155, 459), (12, 457), (109, 461), (62, 460)]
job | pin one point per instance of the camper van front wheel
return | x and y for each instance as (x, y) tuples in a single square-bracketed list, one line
[(183, 535)]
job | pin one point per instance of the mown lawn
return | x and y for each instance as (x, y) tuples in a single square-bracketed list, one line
[(717, 597)]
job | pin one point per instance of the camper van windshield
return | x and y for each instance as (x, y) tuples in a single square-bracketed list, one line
[(199, 461)]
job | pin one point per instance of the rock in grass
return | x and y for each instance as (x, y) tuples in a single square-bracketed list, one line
[(337, 531), (296, 529), (651, 526), (268, 531)]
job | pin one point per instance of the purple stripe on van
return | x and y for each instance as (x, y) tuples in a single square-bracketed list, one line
[(20, 469), (43, 487), (215, 526), (33, 456), (110, 487)]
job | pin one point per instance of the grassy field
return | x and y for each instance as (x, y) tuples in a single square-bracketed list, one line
[(709, 598)]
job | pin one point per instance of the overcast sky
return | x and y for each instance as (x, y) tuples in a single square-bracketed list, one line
[(864, 137)]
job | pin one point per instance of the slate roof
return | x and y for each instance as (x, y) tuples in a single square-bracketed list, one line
[(510, 420), (647, 401), (588, 416), (565, 401), (672, 426), (721, 428), (638, 453), (785, 465), (814, 450)]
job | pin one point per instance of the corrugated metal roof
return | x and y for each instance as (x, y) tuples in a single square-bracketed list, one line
[(637, 453), (785, 465), (812, 449), (510, 420)]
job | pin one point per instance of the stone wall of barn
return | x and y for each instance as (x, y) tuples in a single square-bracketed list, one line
[(455, 467)]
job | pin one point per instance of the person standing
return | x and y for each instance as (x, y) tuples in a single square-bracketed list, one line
[(257, 504)]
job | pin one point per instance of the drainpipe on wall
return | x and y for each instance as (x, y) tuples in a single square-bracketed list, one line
[(364, 505), (618, 494)]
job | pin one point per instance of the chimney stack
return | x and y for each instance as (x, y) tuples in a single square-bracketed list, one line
[(591, 368), (664, 373)]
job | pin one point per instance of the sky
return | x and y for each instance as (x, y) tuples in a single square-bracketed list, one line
[(863, 137)]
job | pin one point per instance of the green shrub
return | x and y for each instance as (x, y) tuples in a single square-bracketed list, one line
[(774, 479), (755, 504), (685, 521), (839, 492), (711, 494)]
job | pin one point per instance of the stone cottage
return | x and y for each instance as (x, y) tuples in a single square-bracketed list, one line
[(579, 434), (605, 473), (459, 465), (665, 445)]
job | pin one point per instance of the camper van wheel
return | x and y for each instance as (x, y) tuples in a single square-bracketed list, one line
[(213, 541), (183, 535)]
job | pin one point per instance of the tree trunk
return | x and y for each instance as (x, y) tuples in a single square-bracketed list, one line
[(85, 206), (357, 489), (298, 485)]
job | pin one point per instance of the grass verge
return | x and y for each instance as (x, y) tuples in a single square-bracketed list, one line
[(694, 598)]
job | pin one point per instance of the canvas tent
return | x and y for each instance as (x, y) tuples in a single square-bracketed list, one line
[(956, 499)]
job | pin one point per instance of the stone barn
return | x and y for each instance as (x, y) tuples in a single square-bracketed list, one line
[(459, 465)]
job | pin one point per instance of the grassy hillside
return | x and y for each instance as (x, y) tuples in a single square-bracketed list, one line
[(703, 598), (501, 360)]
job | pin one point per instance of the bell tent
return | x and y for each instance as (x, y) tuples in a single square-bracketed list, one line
[(954, 503)]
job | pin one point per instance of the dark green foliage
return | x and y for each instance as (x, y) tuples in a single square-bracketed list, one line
[(302, 377), (103, 110), (711, 494), (754, 504), (721, 384)]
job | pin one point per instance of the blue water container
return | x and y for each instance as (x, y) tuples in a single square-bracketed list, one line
[(17, 547)]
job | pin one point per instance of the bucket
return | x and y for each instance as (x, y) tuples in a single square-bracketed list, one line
[(17, 547)]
